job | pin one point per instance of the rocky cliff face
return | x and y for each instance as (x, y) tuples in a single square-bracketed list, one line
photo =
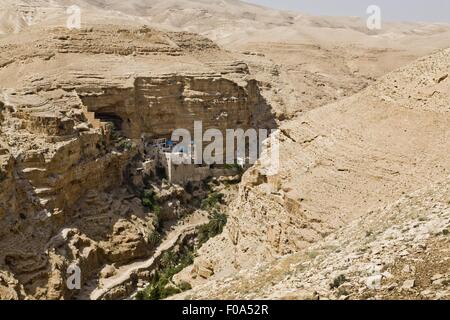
[(156, 106), (339, 163), (343, 217), (70, 143), (400, 251)]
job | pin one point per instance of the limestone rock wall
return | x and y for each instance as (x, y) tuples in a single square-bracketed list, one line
[(70, 134), (64, 196), (156, 106)]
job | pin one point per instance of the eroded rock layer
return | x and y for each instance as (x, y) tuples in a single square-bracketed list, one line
[(70, 146), (340, 162)]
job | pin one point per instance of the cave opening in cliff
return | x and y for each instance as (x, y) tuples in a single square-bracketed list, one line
[(110, 117)]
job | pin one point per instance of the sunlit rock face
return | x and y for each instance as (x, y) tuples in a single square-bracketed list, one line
[(65, 180)]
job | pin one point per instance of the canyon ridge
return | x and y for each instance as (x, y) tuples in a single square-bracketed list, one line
[(359, 207)]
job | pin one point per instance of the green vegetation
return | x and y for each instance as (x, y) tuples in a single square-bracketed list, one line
[(114, 135), (121, 143), (213, 228), (161, 285), (149, 201), (172, 262), (124, 144), (239, 170), (212, 200), (154, 238), (313, 254), (184, 286), (235, 167), (338, 281), (217, 220)]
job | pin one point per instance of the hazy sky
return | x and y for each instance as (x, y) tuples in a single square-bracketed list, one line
[(394, 10)]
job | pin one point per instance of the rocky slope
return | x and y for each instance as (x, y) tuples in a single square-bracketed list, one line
[(400, 251), (224, 21), (71, 148), (339, 163), (302, 61), (342, 219)]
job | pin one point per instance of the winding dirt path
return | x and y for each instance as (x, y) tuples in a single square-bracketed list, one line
[(125, 272)]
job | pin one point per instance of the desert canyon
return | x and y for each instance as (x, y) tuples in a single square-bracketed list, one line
[(360, 207)]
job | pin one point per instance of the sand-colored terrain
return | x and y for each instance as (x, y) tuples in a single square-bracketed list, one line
[(358, 210)]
